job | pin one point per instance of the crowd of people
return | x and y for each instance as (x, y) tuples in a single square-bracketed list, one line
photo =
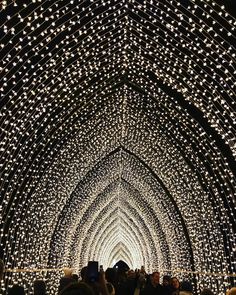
[(115, 281)]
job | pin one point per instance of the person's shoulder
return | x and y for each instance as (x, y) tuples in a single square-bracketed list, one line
[(147, 287), (159, 286), (160, 289), (76, 288)]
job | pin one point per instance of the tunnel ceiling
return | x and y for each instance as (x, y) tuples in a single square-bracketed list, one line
[(118, 135)]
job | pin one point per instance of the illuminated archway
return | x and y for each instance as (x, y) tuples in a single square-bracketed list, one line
[(118, 137)]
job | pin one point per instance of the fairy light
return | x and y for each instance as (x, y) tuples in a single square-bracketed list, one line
[(115, 120)]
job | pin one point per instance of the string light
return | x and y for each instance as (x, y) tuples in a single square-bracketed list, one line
[(118, 138)]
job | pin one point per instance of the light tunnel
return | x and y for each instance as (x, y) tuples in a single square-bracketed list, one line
[(118, 138)]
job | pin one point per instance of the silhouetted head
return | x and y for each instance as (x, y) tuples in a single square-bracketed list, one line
[(75, 277), (77, 289), (131, 274), (83, 273), (155, 278), (110, 275), (166, 280), (206, 292), (186, 286), (16, 290), (39, 287), (175, 283)]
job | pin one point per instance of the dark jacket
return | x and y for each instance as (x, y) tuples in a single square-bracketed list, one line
[(149, 289)]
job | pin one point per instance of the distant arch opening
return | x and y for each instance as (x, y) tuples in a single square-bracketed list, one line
[(121, 265)]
